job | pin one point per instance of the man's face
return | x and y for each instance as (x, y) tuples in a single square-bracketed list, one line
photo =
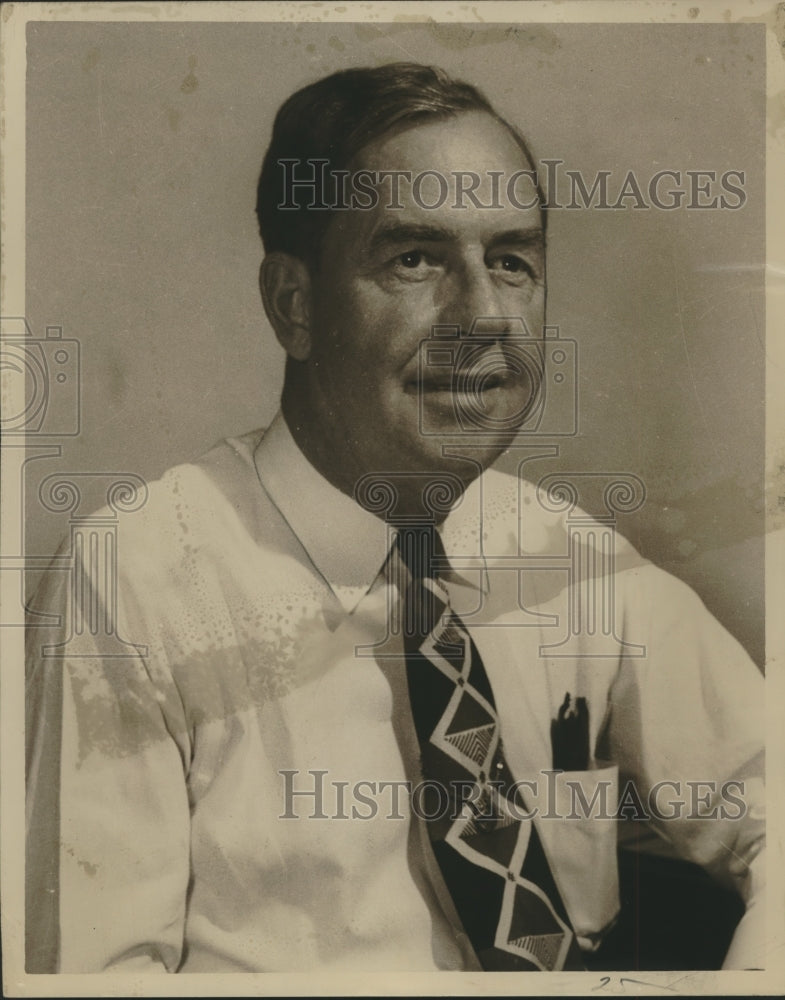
[(387, 276)]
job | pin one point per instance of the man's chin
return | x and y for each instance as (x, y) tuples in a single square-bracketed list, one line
[(425, 475), (493, 415), (428, 438), (461, 454)]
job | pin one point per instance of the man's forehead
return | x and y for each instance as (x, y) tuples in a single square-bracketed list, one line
[(458, 179), (471, 140), (444, 214)]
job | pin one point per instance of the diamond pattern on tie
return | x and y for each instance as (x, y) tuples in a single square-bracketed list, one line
[(497, 843), (451, 645), (473, 744), (491, 859), (543, 948)]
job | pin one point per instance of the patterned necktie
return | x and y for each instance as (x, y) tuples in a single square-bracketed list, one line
[(492, 861)]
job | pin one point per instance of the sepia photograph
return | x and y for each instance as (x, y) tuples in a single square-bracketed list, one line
[(393, 466)]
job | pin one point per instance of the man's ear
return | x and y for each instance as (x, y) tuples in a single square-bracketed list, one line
[(286, 292)]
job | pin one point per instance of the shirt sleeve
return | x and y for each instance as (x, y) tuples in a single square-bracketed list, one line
[(107, 807), (686, 727)]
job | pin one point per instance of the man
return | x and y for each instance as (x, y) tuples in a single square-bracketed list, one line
[(334, 624)]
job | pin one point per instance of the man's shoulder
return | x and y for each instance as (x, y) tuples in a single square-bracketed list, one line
[(218, 474), (193, 506), (563, 546), (521, 516)]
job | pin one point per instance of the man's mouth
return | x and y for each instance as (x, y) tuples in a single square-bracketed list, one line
[(462, 382)]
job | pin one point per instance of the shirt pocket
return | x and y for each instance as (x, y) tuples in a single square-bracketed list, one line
[(579, 830)]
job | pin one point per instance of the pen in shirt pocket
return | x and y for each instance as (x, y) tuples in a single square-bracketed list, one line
[(570, 735)]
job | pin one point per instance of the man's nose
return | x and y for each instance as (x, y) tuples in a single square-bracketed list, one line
[(478, 305)]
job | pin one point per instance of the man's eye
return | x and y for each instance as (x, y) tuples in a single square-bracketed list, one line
[(413, 265), (509, 262), (410, 259), (515, 269)]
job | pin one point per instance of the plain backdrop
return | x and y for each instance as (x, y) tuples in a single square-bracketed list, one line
[(144, 143)]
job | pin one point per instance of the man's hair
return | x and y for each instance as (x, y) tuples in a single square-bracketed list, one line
[(335, 118)]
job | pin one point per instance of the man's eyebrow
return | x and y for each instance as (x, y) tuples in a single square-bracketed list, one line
[(533, 236), (398, 233)]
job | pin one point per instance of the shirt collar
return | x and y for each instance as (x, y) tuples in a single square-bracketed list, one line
[(347, 544)]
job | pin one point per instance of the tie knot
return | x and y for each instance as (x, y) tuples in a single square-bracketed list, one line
[(421, 550)]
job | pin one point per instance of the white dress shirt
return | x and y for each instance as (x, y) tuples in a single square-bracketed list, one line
[(162, 829)]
